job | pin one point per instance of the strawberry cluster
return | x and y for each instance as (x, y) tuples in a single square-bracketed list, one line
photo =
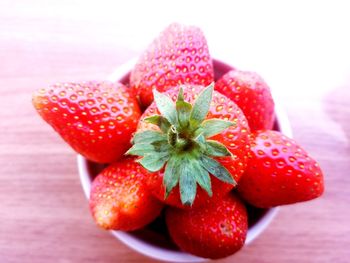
[(175, 139)]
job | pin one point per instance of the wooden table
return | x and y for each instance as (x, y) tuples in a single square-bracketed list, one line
[(301, 50)]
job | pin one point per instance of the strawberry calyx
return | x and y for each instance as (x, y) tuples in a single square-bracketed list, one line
[(183, 145)]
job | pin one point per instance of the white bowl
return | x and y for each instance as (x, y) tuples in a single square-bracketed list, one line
[(152, 240)]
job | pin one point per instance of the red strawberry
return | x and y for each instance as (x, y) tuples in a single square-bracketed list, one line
[(119, 198), (96, 119), (251, 94), (214, 231), (192, 141), (279, 172), (179, 55)]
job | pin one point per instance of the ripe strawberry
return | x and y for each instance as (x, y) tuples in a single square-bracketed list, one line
[(251, 94), (192, 141), (96, 119), (179, 55), (279, 172), (214, 231), (119, 199)]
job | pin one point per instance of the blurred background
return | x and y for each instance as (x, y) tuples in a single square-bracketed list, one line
[(301, 48)]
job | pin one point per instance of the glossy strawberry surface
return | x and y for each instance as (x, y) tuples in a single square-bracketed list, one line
[(279, 172), (178, 55), (96, 119), (120, 200), (252, 95), (214, 231)]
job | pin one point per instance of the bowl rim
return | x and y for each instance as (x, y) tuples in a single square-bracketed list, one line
[(164, 254)]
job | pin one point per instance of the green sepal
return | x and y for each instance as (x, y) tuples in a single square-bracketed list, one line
[(187, 184), (200, 139), (202, 177), (166, 107), (175, 170), (183, 109), (148, 137), (160, 121), (201, 106), (182, 145), (180, 95), (154, 161), (211, 147), (171, 175), (215, 148), (148, 142), (141, 149), (213, 127), (217, 169)]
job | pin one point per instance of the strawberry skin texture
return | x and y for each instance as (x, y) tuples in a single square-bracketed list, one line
[(235, 138), (119, 199), (97, 119), (179, 55), (214, 231), (279, 172), (252, 95)]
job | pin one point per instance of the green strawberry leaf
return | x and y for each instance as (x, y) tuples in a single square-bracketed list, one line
[(188, 186), (211, 147), (202, 177), (171, 175), (213, 127), (201, 106), (166, 107), (141, 149), (154, 161), (215, 148), (183, 109), (182, 146), (148, 137), (200, 139), (216, 169), (160, 121), (180, 96)]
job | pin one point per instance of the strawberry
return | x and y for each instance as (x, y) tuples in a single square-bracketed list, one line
[(251, 94), (96, 119), (200, 141), (119, 199), (279, 172), (179, 55), (214, 231)]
